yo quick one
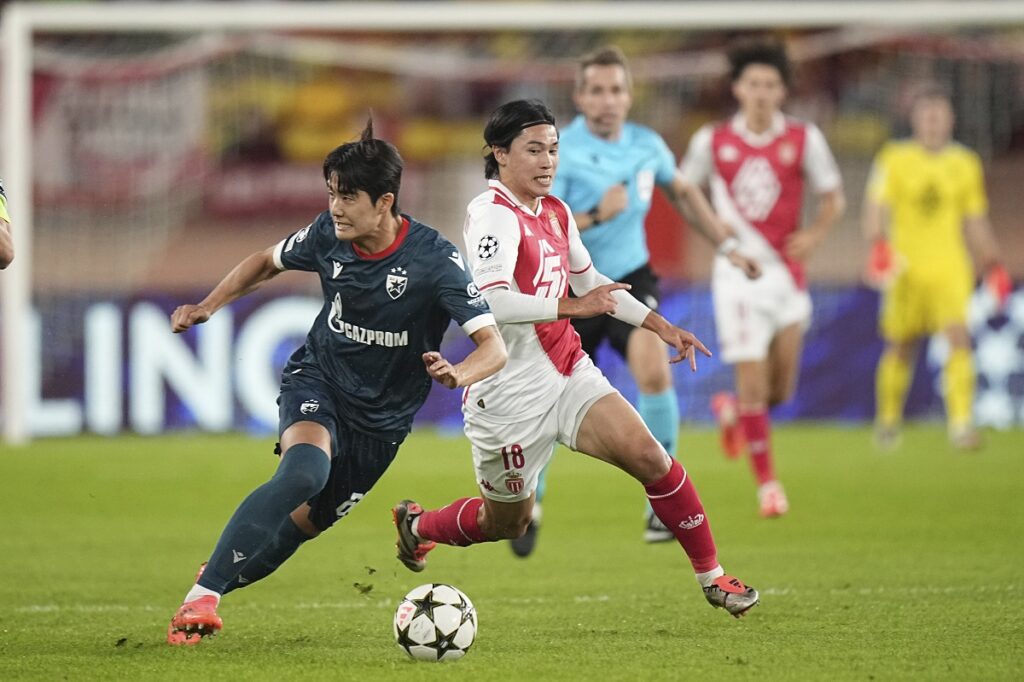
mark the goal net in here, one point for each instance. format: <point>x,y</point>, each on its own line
<point>160,158</point>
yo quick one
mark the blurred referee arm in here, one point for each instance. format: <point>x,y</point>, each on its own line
<point>690,202</point>
<point>246,277</point>
<point>486,359</point>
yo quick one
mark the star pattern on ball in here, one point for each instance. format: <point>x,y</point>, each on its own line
<point>425,606</point>
<point>445,642</point>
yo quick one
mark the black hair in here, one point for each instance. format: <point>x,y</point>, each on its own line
<point>505,124</point>
<point>769,54</point>
<point>371,165</point>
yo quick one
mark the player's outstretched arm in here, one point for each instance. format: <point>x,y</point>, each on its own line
<point>685,343</point>
<point>246,277</point>
<point>689,200</point>
<point>486,359</point>
<point>6,244</point>
<point>597,301</point>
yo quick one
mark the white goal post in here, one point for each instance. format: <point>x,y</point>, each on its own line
<point>21,21</point>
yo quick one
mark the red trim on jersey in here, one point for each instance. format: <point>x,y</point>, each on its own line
<point>580,272</point>
<point>399,238</point>
<point>491,285</point>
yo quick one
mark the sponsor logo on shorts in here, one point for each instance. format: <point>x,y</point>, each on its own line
<point>514,483</point>
<point>310,406</point>
<point>486,485</point>
<point>692,522</point>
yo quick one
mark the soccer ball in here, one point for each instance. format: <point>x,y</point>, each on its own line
<point>435,623</point>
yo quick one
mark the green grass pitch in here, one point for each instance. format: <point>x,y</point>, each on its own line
<point>901,566</point>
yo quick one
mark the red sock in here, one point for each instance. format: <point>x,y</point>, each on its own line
<point>756,429</point>
<point>455,524</point>
<point>675,501</point>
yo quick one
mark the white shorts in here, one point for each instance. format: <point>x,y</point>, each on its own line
<point>508,458</point>
<point>749,313</point>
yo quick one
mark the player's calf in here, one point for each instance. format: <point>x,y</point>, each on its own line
<point>723,406</point>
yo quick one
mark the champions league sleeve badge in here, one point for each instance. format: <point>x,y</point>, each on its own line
<point>487,247</point>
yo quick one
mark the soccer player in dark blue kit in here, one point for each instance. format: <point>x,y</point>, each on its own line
<point>391,286</point>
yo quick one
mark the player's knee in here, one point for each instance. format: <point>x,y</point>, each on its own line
<point>650,463</point>
<point>654,382</point>
<point>779,395</point>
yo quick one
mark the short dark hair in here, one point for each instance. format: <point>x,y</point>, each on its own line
<point>505,124</point>
<point>930,91</point>
<point>609,55</point>
<point>369,165</point>
<point>770,54</point>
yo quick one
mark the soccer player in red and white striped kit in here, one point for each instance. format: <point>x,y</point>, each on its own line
<point>524,251</point>
<point>756,164</point>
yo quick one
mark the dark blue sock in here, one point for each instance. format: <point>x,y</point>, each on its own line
<point>267,560</point>
<point>302,474</point>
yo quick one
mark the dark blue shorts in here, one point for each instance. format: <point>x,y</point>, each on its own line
<point>594,330</point>
<point>358,460</point>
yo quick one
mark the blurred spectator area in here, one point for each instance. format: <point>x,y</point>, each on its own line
<point>150,147</point>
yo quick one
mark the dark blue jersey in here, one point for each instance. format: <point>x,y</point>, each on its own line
<point>381,313</point>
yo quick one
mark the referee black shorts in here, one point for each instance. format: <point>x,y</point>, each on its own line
<point>594,330</point>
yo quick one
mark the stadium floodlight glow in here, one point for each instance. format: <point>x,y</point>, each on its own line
<point>21,21</point>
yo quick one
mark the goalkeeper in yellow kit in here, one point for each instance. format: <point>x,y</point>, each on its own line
<point>923,196</point>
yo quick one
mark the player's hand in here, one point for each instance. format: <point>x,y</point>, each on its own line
<point>597,301</point>
<point>800,244</point>
<point>883,265</point>
<point>685,344</point>
<point>750,267</point>
<point>188,315</point>
<point>440,370</point>
<point>614,202</point>
<point>999,284</point>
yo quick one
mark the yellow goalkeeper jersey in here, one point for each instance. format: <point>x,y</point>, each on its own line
<point>929,194</point>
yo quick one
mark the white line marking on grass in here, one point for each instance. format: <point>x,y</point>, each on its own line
<point>542,600</point>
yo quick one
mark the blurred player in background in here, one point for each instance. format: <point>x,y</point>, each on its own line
<point>922,195</point>
<point>6,243</point>
<point>348,395</point>
<point>525,251</point>
<point>607,173</point>
<point>756,164</point>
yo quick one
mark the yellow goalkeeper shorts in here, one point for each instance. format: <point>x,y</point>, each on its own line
<point>916,306</point>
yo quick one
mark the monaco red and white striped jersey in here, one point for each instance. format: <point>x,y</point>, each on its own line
<point>509,245</point>
<point>757,179</point>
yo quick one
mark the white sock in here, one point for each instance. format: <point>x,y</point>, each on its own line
<point>415,526</point>
<point>705,579</point>
<point>198,591</point>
